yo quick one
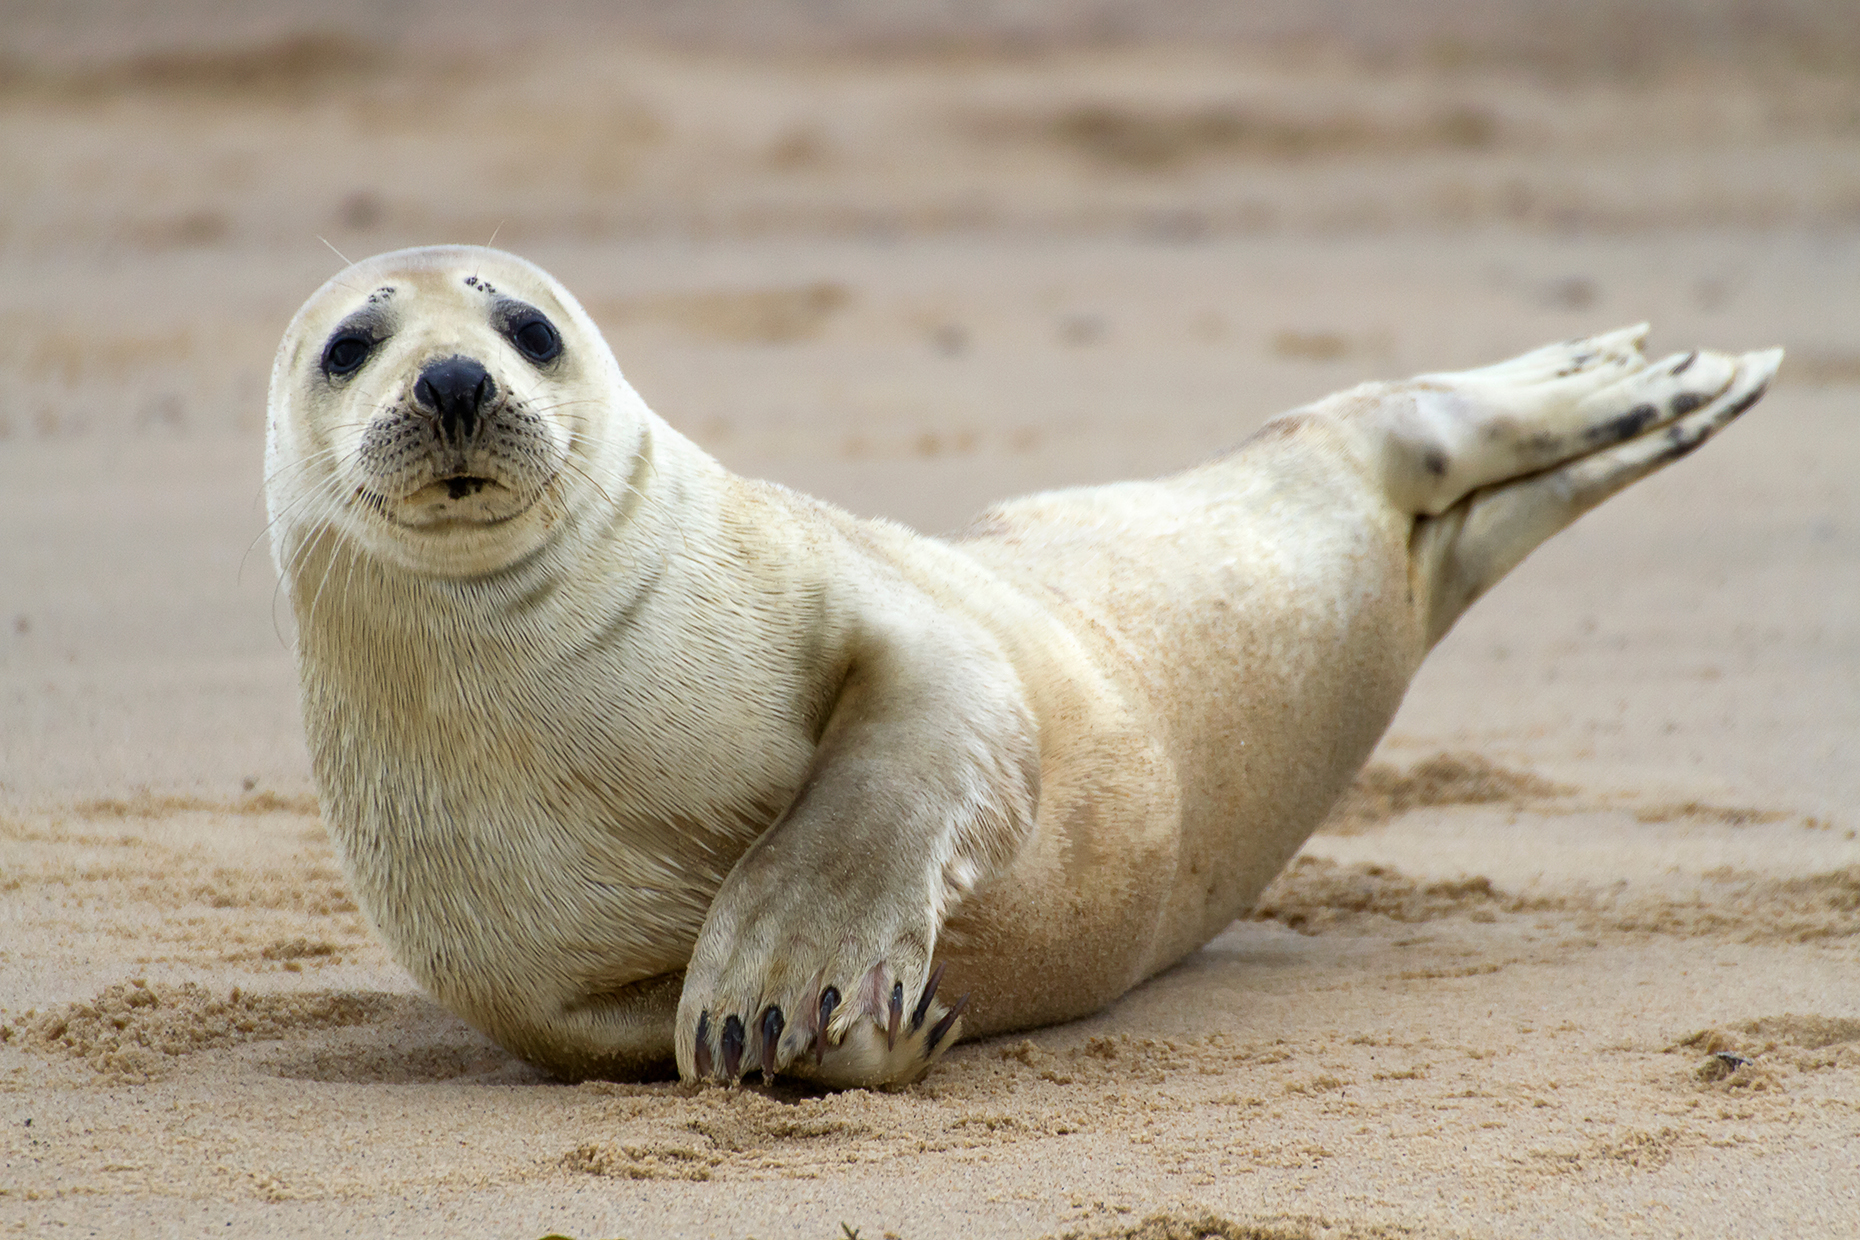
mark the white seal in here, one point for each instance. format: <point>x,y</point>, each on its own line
<point>631,760</point>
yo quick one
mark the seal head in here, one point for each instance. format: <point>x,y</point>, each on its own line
<point>441,440</point>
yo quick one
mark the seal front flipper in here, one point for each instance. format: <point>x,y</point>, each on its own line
<point>816,955</point>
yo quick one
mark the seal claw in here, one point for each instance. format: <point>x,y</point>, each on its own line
<point>829,999</point>
<point>732,1047</point>
<point>923,1004</point>
<point>700,1054</point>
<point>942,1027</point>
<point>897,1014</point>
<point>772,1024</point>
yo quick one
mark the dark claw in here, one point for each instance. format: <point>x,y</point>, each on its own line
<point>700,1058</point>
<point>772,1023</point>
<point>829,999</point>
<point>732,1047</point>
<point>923,1004</point>
<point>897,1014</point>
<point>942,1026</point>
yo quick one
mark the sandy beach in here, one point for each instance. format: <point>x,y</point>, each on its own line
<point>1579,956</point>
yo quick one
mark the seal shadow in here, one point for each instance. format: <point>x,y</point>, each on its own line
<point>409,1040</point>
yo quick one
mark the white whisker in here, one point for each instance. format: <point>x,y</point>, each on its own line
<point>346,260</point>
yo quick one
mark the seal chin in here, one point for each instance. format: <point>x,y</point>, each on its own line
<point>458,548</point>
<point>462,525</point>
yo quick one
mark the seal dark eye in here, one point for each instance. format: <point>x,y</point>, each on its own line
<point>345,353</point>
<point>536,338</point>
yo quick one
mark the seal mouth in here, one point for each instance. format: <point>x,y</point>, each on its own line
<point>456,487</point>
<point>455,501</point>
<point>460,486</point>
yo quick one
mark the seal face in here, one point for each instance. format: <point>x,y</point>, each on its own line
<point>636,763</point>
<point>447,403</point>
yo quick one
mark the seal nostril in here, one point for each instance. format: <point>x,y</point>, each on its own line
<point>457,389</point>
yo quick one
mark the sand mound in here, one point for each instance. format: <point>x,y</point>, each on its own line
<point>135,1031</point>
<point>1769,1055</point>
<point>1315,893</point>
<point>1808,1032</point>
<point>1384,791</point>
<point>641,1162</point>
<point>1748,907</point>
<point>1803,1043</point>
<point>692,1135</point>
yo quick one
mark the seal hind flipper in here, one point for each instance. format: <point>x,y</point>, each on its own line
<point>1492,461</point>
<point>1610,438</point>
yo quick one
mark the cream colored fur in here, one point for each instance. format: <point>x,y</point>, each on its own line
<point>620,749</point>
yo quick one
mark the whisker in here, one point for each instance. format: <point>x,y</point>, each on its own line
<point>288,570</point>
<point>346,260</point>
<point>568,463</point>
<point>316,599</point>
<point>305,462</point>
<point>576,437</point>
<point>312,538</point>
<point>279,516</point>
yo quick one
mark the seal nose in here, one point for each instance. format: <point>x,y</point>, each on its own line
<point>457,389</point>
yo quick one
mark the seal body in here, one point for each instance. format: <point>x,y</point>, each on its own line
<point>634,762</point>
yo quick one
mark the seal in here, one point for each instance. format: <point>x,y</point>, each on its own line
<point>634,762</point>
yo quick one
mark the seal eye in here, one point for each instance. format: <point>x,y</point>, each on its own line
<point>346,353</point>
<point>536,338</point>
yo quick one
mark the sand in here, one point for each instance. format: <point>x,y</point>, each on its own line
<point>1581,954</point>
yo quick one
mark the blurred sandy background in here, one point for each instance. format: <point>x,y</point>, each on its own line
<point>1581,957</point>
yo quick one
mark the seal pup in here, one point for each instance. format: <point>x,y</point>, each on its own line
<point>633,761</point>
